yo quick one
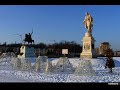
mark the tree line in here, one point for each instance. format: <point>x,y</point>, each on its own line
<point>51,50</point>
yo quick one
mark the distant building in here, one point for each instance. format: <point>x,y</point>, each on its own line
<point>97,50</point>
<point>41,51</point>
<point>103,47</point>
<point>116,53</point>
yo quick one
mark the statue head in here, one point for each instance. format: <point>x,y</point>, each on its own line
<point>25,34</point>
<point>87,13</point>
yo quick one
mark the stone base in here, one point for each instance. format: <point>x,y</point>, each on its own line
<point>88,50</point>
<point>26,51</point>
<point>87,55</point>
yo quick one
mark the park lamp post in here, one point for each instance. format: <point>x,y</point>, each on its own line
<point>20,37</point>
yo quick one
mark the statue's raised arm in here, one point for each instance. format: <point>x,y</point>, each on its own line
<point>88,22</point>
<point>31,33</point>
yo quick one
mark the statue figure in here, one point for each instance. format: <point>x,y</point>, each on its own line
<point>28,38</point>
<point>88,22</point>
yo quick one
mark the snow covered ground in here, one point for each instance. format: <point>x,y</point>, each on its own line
<point>7,74</point>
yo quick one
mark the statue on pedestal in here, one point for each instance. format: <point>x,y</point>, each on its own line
<point>88,50</point>
<point>88,22</point>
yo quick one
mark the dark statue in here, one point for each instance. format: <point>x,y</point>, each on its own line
<point>28,38</point>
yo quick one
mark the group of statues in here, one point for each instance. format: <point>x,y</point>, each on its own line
<point>88,22</point>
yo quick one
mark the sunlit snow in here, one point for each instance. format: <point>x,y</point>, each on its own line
<point>10,73</point>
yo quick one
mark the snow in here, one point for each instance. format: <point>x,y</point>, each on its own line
<point>8,74</point>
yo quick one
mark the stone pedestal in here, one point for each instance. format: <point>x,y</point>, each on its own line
<point>88,49</point>
<point>26,51</point>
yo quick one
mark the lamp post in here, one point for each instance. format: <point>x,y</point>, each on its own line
<point>20,37</point>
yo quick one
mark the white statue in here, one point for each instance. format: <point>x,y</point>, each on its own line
<point>88,22</point>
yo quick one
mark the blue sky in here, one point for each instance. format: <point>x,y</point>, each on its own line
<point>59,22</point>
